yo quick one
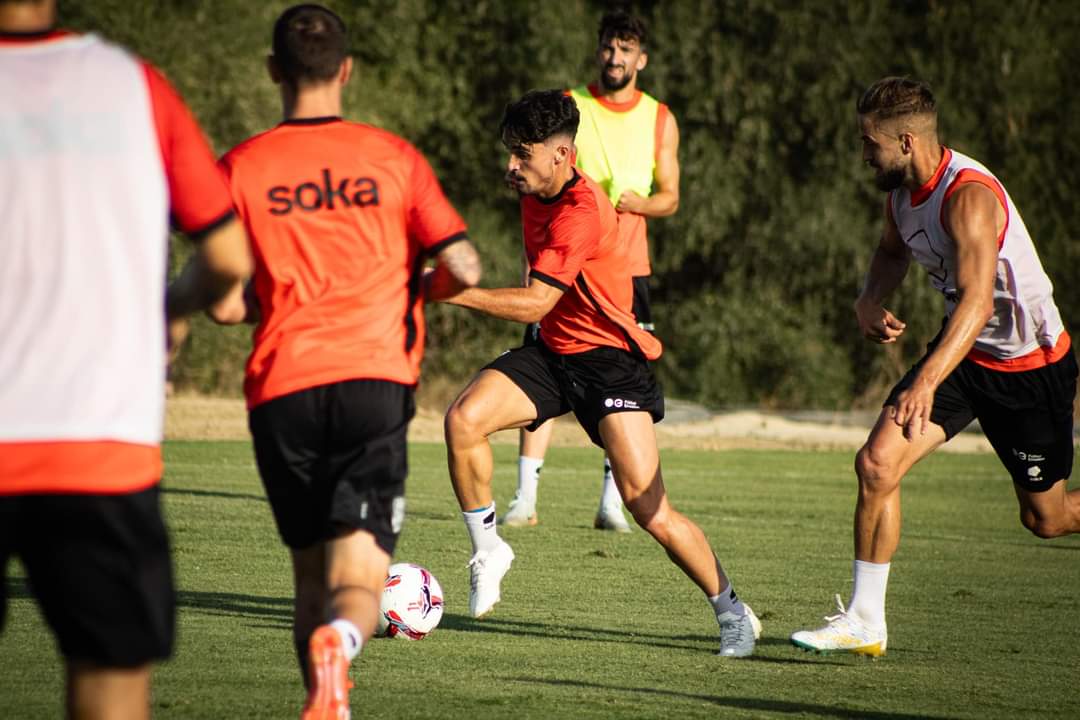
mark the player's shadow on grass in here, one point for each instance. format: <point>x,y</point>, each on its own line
<point>277,610</point>
<point>212,494</point>
<point>550,631</point>
<point>740,703</point>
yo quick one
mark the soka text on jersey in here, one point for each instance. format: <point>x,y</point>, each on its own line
<point>310,196</point>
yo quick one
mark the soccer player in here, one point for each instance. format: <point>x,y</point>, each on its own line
<point>342,217</point>
<point>97,150</point>
<point>592,358</point>
<point>628,143</point>
<point>1002,356</point>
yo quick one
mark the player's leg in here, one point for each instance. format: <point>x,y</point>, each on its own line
<point>532,447</point>
<point>609,514</point>
<point>1050,513</point>
<point>363,470</point>
<point>489,403</point>
<point>97,693</point>
<point>1028,418</point>
<point>515,390</point>
<point>630,442</point>
<point>879,466</point>
<point>111,626</point>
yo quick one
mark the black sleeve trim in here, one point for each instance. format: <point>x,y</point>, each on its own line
<point>201,233</point>
<point>443,244</point>
<point>548,280</point>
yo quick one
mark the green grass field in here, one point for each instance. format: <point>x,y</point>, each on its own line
<point>984,618</point>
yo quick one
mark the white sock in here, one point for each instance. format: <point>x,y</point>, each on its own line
<point>481,526</point>
<point>528,477</point>
<point>727,601</point>
<point>868,595</point>
<point>351,639</point>
<point>609,494</point>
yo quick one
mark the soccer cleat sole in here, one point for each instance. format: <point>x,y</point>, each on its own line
<point>875,650</point>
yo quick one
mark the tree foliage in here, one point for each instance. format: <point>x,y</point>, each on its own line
<point>756,274</point>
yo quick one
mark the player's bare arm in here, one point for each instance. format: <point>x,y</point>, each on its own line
<point>214,276</point>
<point>974,218</point>
<point>457,267</point>
<point>525,305</point>
<point>665,201</point>
<point>888,267</point>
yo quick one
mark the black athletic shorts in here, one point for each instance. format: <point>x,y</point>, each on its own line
<point>333,459</point>
<point>100,569</point>
<point>592,384</point>
<point>1027,416</point>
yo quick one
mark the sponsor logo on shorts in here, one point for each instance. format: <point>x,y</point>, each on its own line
<point>1027,457</point>
<point>1034,472</point>
<point>621,403</point>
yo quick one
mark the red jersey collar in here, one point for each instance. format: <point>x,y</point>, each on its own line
<point>627,106</point>
<point>920,195</point>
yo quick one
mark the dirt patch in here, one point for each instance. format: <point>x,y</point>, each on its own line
<point>688,427</point>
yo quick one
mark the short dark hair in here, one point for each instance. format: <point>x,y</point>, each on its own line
<point>621,25</point>
<point>309,43</point>
<point>893,97</point>
<point>537,116</point>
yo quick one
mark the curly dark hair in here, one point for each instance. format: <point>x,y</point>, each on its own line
<point>893,97</point>
<point>621,25</point>
<point>537,116</point>
<point>309,43</point>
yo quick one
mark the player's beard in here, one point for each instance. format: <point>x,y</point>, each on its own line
<point>615,85</point>
<point>889,180</point>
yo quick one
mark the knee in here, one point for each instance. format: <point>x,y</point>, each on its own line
<point>1042,527</point>
<point>877,472</point>
<point>650,517</point>
<point>461,424</point>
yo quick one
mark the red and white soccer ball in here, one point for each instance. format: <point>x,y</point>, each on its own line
<point>412,603</point>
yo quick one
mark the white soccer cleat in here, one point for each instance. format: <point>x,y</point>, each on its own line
<point>487,568</point>
<point>754,622</point>
<point>611,518</point>
<point>843,632</point>
<point>522,513</point>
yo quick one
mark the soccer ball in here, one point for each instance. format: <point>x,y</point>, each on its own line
<point>412,603</point>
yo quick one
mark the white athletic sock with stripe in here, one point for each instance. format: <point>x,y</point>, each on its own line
<point>609,494</point>
<point>528,477</point>
<point>868,596</point>
<point>481,526</point>
<point>351,640</point>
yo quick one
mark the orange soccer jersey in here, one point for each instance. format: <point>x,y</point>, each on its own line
<point>341,216</point>
<point>572,243</point>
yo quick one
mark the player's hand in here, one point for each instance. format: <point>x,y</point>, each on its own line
<point>878,324</point>
<point>912,411</point>
<point>630,202</point>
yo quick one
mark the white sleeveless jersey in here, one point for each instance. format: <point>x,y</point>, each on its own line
<point>1025,318</point>
<point>82,263</point>
<point>90,142</point>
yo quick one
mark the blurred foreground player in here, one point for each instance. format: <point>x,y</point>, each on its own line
<point>97,151</point>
